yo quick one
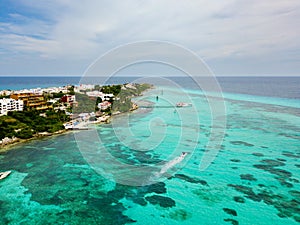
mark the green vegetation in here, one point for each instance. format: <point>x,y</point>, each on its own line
<point>71,90</point>
<point>58,95</point>
<point>85,104</point>
<point>4,96</point>
<point>97,87</point>
<point>123,102</point>
<point>142,87</point>
<point>27,123</point>
<point>122,95</point>
<point>111,89</point>
<point>99,100</point>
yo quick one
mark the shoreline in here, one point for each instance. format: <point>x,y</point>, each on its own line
<point>18,141</point>
<point>14,143</point>
<point>6,147</point>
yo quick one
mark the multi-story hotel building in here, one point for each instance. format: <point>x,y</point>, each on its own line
<point>31,100</point>
<point>9,104</point>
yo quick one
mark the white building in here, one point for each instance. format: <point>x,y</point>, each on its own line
<point>5,92</point>
<point>84,87</point>
<point>100,94</point>
<point>104,105</point>
<point>94,93</point>
<point>9,104</point>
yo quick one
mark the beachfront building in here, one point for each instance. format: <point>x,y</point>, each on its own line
<point>84,87</point>
<point>32,101</point>
<point>5,92</point>
<point>68,99</point>
<point>52,90</point>
<point>100,94</point>
<point>9,104</point>
<point>104,105</point>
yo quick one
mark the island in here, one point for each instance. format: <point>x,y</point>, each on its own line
<point>27,114</point>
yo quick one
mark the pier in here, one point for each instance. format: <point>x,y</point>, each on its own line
<point>156,106</point>
<point>165,106</point>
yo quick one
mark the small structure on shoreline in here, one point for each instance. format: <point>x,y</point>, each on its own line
<point>7,140</point>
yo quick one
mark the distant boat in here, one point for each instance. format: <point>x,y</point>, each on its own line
<point>173,162</point>
<point>184,153</point>
<point>183,104</point>
<point>4,174</point>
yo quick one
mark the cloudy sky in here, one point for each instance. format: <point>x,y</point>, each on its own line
<point>234,37</point>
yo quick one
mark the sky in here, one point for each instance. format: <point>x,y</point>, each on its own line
<point>233,37</point>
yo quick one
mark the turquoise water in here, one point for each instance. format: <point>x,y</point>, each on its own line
<point>253,180</point>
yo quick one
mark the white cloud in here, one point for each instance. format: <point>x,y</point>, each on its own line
<point>214,29</point>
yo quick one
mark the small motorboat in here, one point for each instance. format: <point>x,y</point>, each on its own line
<point>4,174</point>
<point>185,153</point>
<point>183,104</point>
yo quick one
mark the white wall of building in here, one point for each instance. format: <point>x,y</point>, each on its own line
<point>9,104</point>
<point>100,94</point>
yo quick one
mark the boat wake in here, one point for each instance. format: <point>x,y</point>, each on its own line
<point>172,163</point>
<point>169,165</point>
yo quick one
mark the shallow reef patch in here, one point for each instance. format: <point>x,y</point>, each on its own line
<point>232,221</point>
<point>235,160</point>
<point>257,154</point>
<point>190,179</point>
<point>239,199</point>
<point>162,201</point>
<point>291,154</point>
<point>230,211</point>
<point>248,177</point>
<point>286,206</point>
<point>241,143</point>
<point>180,215</point>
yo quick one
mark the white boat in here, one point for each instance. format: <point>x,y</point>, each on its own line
<point>183,154</point>
<point>4,174</point>
<point>183,104</point>
<point>173,162</point>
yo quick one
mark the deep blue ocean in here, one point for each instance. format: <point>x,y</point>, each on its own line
<point>282,87</point>
<point>132,170</point>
